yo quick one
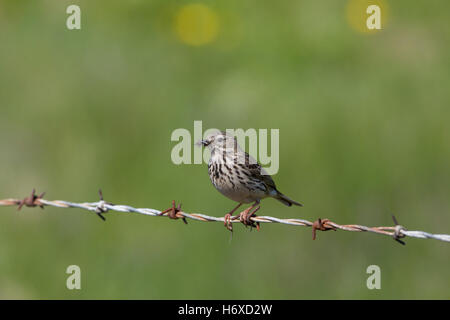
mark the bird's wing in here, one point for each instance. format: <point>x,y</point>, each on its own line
<point>258,172</point>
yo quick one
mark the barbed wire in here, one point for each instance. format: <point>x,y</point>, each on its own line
<point>101,207</point>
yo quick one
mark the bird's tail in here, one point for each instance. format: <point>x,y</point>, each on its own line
<point>287,201</point>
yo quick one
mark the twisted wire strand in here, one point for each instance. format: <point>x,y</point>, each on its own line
<point>99,207</point>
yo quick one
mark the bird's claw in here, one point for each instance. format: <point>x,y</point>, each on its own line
<point>227,222</point>
<point>173,211</point>
<point>245,217</point>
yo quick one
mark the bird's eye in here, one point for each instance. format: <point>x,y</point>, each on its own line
<point>219,139</point>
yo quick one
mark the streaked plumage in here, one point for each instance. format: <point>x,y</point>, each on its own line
<point>237,175</point>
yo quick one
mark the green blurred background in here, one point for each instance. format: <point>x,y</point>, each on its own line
<point>364,132</point>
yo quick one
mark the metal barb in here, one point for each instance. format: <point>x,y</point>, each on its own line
<point>174,212</point>
<point>321,225</point>
<point>100,208</point>
<point>32,200</point>
<point>398,231</point>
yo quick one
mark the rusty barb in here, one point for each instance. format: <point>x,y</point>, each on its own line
<point>174,212</point>
<point>396,232</point>
<point>31,201</point>
<point>321,225</point>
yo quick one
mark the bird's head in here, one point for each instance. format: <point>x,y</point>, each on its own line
<point>219,141</point>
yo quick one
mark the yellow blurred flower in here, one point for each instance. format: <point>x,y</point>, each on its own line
<point>196,24</point>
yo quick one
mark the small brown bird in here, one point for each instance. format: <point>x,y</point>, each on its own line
<point>238,176</point>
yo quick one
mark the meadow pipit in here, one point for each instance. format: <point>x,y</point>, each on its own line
<point>239,177</point>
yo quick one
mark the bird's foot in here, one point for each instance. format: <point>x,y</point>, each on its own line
<point>227,222</point>
<point>229,217</point>
<point>173,211</point>
<point>245,217</point>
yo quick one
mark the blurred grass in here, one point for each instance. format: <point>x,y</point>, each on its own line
<point>363,125</point>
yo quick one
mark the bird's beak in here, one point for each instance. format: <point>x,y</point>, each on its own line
<point>202,143</point>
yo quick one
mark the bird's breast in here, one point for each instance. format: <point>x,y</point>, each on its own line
<point>234,184</point>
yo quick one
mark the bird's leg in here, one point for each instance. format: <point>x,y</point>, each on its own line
<point>228,216</point>
<point>245,215</point>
